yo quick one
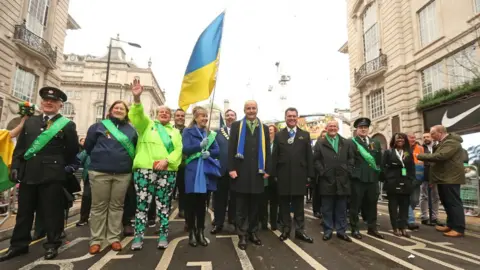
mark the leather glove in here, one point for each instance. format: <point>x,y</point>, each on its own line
<point>14,176</point>
<point>204,142</point>
<point>69,169</point>
<point>205,154</point>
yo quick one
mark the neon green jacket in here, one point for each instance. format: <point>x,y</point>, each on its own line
<point>150,147</point>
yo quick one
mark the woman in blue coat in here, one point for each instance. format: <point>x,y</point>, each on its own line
<point>201,173</point>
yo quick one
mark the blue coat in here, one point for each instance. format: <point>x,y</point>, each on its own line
<point>223,144</point>
<point>191,145</point>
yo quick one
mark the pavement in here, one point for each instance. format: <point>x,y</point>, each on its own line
<point>427,249</point>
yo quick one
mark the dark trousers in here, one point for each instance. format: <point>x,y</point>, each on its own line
<point>130,205</point>
<point>316,200</point>
<point>269,207</point>
<point>247,211</point>
<point>47,199</point>
<point>195,210</point>
<point>334,212</point>
<point>398,205</point>
<point>450,197</point>
<point>180,181</point>
<point>85,208</point>
<point>364,196</point>
<point>223,197</point>
<point>297,203</point>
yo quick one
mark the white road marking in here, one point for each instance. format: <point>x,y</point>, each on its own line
<point>242,255</point>
<point>66,264</point>
<point>445,245</point>
<point>168,253</point>
<point>112,255</point>
<point>203,265</point>
<point>174,215</point>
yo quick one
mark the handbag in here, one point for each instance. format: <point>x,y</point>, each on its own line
<point>212,167</point>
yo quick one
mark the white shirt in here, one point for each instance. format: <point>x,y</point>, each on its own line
<point>228,130</point>
<point>290,129</point>
<point>49,116</point>
<point>366,140</point>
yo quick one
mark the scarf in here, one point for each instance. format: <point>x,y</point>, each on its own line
<point>241,144</point>
<point>333,142</point>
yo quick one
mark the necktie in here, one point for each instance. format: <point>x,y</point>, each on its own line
<point>251,126</point>
<point>46,118</point>
<point>291,133</point>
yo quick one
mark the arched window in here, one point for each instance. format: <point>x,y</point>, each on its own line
<point>68,110</point>
<point>98,114</point>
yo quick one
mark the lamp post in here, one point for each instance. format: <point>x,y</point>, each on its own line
<point>108,69</point>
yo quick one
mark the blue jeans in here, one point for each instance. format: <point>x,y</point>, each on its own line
<point>334,212</point>
<point>411,215</point>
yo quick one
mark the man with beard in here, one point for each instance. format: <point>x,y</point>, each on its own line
<point>46,146</point>
<point>334,161</point>
<point>365,177</point>
<point>224,196</point>
<point>292,165</point>
<point>248,161</point>
<point>429,199</point>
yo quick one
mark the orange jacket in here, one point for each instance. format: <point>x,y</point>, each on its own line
<point>417,149</point>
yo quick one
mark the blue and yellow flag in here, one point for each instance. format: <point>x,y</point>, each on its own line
<point>200,76</point>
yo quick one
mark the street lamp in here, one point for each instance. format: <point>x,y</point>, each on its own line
<point>108,69</point>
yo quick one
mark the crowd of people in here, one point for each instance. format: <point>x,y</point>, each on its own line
<point>258,174</point>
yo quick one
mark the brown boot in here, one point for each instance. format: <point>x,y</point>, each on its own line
<point>442,229</point>
<point>94,249</point>
<point>453,233</point>
<point>116,246</point>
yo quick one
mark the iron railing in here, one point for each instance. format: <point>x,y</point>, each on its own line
<point>34,42</point>
<point>371,67</point>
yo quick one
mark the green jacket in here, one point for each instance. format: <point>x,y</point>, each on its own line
<point>362,171</point>
<point>446,161</point>
<point>150,147</point>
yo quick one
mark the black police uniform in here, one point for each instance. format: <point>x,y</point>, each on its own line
<point>42,178</point>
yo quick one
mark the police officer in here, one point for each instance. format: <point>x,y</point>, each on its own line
<point>365,177</point>
<point>41,160</point>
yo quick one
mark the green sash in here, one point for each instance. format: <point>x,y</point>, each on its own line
<point>162,132</point>
<point>211,139</point>
<point>120,137</point>
<point>366,156</point>
<point>45,137</point>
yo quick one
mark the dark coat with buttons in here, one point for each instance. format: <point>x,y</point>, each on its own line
<point>334,169</point>
<point>48,165</point>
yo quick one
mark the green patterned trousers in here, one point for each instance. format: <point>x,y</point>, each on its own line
<point>150,183</point>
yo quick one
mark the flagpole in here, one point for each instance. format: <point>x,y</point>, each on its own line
<point>216,75</point>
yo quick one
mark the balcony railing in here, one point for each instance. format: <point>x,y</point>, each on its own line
<point>370,67</point>
<point>35,45</point>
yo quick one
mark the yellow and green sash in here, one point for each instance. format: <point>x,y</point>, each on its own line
<point>162,132</point>
<point>120,137</point>
<point>45,137</point>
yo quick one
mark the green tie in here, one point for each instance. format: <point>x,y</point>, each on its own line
<point>251,126</point>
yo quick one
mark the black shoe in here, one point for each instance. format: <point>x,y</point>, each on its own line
<point>12,253</point>
<point>356,234</point>
<point>242,242</point>
<point>254,239</point>
<point>344,237</point>
<point>413,227</point>
<point>81,223</point>
<point>376,234</point>
<point>304,237</point>
<point>51,254</point>
<point>216,229</point>
<point>284,236</point>
<point>327,236</point>
<point>181,214</point>
<point>192,238</point>
<point>201,238</point>
<point>273,227</point>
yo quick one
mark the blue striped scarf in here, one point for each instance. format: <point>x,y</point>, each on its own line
<point>242,131</point>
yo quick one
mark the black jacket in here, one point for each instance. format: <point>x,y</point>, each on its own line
<point>48,164</point>
<point>395,182</point>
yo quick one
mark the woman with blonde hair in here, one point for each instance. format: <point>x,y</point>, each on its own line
<point>159,153</point>
<point>201,173</point>
<point>111,146</point>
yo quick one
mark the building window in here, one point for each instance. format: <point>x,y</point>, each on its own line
<point>370,34</point>
<point>476,4</point>
<point>37,16</point>
<point>68,110</point>
<point>24,84</point>
<point>98,114</point>
<point>100,95</point>
<point>428,24</point>
<point>376,104</point>
<point>432,79</point>
<point>78,95</point>
<point>462,67</point>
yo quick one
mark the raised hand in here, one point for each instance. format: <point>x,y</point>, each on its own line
<point>136,88</point>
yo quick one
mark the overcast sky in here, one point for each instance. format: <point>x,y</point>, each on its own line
<point>304,36</point>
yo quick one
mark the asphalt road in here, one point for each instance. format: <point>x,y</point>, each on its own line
<point>427,249</point>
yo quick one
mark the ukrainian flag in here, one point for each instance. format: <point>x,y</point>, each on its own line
<point>6,153</point>
<point>200,76</point>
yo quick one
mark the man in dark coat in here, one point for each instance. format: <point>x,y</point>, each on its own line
<point>224,196</point>
<point>292,165</point>
<point>47,145</point>
<point>334,160</point>
<point>365,178</point>
<point>248,166</point>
